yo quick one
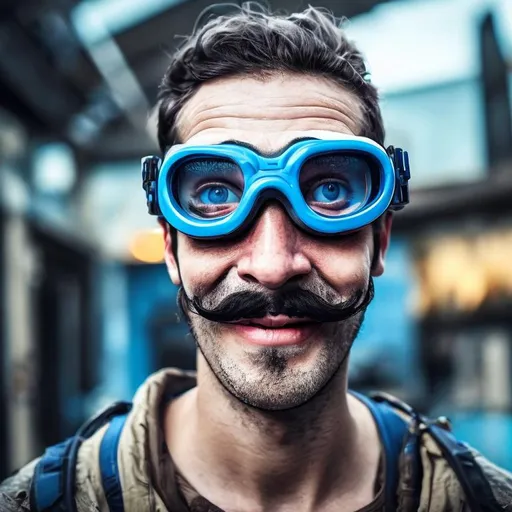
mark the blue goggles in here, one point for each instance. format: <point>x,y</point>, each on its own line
<point>328,187</point>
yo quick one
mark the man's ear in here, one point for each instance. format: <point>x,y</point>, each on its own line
<point>169,254</point>
<point>381,239</point>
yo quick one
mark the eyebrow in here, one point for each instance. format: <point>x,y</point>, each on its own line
<point>268,154</point>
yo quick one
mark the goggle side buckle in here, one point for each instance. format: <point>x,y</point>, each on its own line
<point>150,167</point>
<point>400,159</point>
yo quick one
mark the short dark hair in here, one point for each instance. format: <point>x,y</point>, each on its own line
<point>250,40</point>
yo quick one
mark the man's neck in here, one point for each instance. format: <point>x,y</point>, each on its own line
<point>318,455</point>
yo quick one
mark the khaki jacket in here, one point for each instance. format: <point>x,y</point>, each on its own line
<point>148,477</point>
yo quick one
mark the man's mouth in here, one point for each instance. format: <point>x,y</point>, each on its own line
<point>275,330</point>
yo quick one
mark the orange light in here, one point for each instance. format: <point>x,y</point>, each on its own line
<point>148,246</point>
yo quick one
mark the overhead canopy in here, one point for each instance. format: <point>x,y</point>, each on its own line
<point>88,71</point>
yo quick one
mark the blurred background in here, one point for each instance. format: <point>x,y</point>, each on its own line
<point>87,310</point>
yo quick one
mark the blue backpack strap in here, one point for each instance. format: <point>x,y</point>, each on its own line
<point>47,488</point>
<point>393,431</point>
<point>53,484</point>
<point>109,466</point>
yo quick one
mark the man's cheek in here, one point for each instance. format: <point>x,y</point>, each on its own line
<point>342,272</point>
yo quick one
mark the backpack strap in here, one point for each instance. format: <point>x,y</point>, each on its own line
<point>109,466</point>
<point>53,485</point>
<point>48,482</point>
<point>393,431</point>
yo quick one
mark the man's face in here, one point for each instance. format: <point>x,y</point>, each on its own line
<point>286,361</point>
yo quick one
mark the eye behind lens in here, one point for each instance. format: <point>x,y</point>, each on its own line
<point>338,183</point>
<point>208,187</point>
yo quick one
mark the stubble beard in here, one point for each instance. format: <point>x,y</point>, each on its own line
<point>269,378</point>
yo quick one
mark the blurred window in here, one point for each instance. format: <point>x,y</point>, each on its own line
<point>97,17</point>
<point>424,58</point>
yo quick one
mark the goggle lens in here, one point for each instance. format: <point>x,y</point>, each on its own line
<point>208,187</point>
<point>336,184</point>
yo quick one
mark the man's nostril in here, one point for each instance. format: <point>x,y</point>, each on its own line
<point>249,278</point>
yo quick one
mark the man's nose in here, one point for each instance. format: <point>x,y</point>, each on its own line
<point>272,253</point>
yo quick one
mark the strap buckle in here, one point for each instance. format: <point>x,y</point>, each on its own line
<point>150,167</point>
<point>400,159</point>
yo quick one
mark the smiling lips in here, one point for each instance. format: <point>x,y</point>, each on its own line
<point>275,330</point>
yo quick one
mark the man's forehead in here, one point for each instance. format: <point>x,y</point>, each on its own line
<point>268,113</point>
<point>265,147</point>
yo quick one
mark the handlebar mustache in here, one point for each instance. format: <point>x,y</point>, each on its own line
<point>294,303</point>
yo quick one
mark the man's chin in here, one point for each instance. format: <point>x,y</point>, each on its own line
<point>274,401</point>
<point>278,385</point>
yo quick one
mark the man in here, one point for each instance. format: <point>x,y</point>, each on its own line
<point>275,196</point>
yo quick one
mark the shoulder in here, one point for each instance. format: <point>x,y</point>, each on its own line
<point>455,474</point>
<point>451,475</point>
<point>442,486</point>
<point>15,490</point>
<point>137,443</point>
<point>500,480</point>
